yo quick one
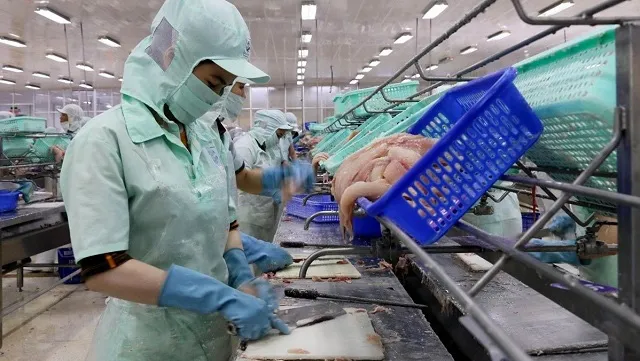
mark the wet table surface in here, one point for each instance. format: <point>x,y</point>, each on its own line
<point>401,342</point>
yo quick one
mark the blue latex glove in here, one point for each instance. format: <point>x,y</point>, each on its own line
<point>196,292</point>
<point>238,266</point>
<point>277,197</point>
<point>562,224</point>
<point>264,291</point>
<point>554,257</point>
<point>303,175</point>
<point>272,179</point>
<point>268,257</point>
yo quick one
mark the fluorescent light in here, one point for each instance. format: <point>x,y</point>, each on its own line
<point>302,63</point>
<point>308,10</point>
<point>445,60</point>
<point>109,41</point>
<point>56,57</point>
<point>106,74</point>
<point>403,38</point>
<point>374,62</point>
<point>415,76</point>
<point>468,50</point>
<point>385,51</point>
<point>65,80</point>
<point>556,8</point>
<point>12,68</point>
<point>406,81</point>
<point>7,81</point>
<point>86,85</point>
<point>359,76</point>
<point>434,9</point>
<point>432,67</point>
<point>13,42</point>
<point>32,86</point>
<point>353,82</point>
<point>499,35</point>
<point>306,37</point>
<point>52,15</point>
<point>301,70</point>
<point>300,77</point>
<point>303,52</point>
<point>108,106</point>
<point>300,82</point>
<point>84,66</point>
<point>120,80</point>
<point>366,69</point>
<point>38,74</point>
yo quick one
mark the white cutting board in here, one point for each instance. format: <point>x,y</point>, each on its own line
<point>349,336</point>
<point>323,268</point>
<point>474,262</point>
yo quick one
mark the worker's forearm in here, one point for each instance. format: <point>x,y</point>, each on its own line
<point>234,240</point>
<point>292,153</point>
<point>133,281</point>
<point>250,180</point>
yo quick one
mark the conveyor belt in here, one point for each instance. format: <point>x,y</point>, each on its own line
<point>533,321</point>
<point>406,334</point>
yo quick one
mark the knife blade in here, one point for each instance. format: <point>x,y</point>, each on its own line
<point>310,315</point>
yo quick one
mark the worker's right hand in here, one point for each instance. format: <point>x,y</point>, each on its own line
<point>190,290</point>
<point>561,224</point>
<point>267,256</point>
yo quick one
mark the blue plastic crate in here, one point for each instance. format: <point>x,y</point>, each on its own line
<point>485,126</point>
<point>8,200</point>
<point>65,256</point>
<point>528,219</point>
<point>366,227</point>
<point>314,205</point>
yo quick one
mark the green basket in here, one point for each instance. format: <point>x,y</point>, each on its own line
<point>572,88</point>
<point>23,124</point>
<point>42,147</point>
<point>399,91</point>
<point>329,142</point>
<point>17,147</point>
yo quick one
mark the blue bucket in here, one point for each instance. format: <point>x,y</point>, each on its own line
<point>65,256</point>
<point>8,200</point>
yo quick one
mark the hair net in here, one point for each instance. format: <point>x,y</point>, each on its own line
<point>266,122</point>
<point>6,115</point>
<point>73,112</point>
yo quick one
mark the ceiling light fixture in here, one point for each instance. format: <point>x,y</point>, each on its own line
<point>302,63</point>
<point>406,81</point>
<point>300,82</point>
<point>434,9</point>
<point>301,70</point>
<point>52,15</point>
<point>385,51</point>
<point>353,82</point>
<point>403,38</point>
<point>85,85</point>
<point>556,7</point>
<point>300,77</point>
<point>109,41</point>
<point>359,76</point>
<point>12,68</point>
<point>120,80</point>
<point>65,80</point>
<point>303,52</point>
<point>7,81</point>
<point>468,50</point>
<point>56,57</point>
<point>84,66</point>
<point>106,74</point>
<point>308,10</point>
<point>445,60</point>
<point>366,69</point>
<point>38,74</point>
<point>32,86</point>
<point>432,67</point>
<point>306,37</point>
<point>374,62</point>
<point>13,42</point>
<point>415,76</point>
<point>499,35</point>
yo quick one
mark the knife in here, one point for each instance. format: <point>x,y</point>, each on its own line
<point>310,315</point>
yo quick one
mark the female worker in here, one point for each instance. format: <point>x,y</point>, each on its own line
<point>258,214</point>
<point>147,198</point>
<point>71,118</point>
<point>286,142</point>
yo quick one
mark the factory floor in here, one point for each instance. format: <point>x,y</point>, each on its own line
<point>57,326</point>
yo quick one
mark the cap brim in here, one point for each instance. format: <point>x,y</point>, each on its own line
<point>243,69</point>
<point>60,111</point>
<point>287,127</point>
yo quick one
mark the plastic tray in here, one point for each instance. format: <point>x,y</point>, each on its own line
<point>314,205</point>
<point>485,125</point>
<point>17,146</point>
<point>329,140</point>
<point>346,101</point>
<point>528,219</point>
<point>572,89</point>
<point>23,124</point>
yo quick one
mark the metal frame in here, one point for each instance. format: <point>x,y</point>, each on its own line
<point>619,318</point>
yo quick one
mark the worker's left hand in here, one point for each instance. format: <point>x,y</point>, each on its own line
<point>238,267</point>
<point>302,175</point>
<point>261,288</point>
<point>268,257</point>
<point>562,224</point>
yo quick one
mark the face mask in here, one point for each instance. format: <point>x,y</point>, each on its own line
<point>65,126</point>
<point>192,100</point>
<point>233,105</point>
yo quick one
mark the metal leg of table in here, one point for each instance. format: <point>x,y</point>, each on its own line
<point>628,93</point>
<point>20,276</point>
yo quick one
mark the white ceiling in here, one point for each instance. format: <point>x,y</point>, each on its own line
<point>349,33</point>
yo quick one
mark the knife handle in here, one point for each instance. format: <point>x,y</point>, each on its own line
<point>298,293</point>
<point>292,244</point>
